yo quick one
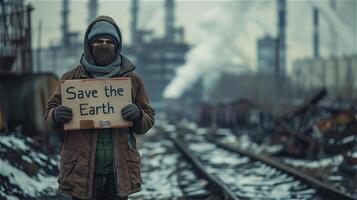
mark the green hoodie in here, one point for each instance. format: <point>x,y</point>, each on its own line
<point>104,153</point>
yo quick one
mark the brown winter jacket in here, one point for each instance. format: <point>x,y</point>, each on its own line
<point>78,149</point>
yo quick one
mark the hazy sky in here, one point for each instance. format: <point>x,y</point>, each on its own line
<point>239,23</point>
<point>151,16</point>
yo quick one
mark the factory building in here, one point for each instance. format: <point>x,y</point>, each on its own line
<point>157,58</point>
<point>266,54</point>
<point>337,74</point>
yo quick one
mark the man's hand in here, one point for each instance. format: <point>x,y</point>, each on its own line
<point>62,114</point>
<point>131,112</point>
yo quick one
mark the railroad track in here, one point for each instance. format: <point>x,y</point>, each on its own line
<point>237,174</point>
<point>167,174</point>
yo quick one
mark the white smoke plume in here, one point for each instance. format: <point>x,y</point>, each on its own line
<point>227,36</point>
<point>225,43</point>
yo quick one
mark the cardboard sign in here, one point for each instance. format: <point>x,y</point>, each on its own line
<point>96,103</point>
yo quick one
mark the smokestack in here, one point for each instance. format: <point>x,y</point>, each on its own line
<point>169,20</point>
<point>316,33</point>
<point>92,10</point>
<point>333,33</point>
<point>134,22</point>
<point>64,27</point>
<point>281,65</point>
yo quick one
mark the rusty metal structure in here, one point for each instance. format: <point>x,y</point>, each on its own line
<point>24,94</point>
<point>15,36</point>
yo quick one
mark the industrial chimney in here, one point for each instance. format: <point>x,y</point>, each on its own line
<point>65,26</point>
<point>316,33</point>
<point>281,53</point>
<point>134,22</point>
<point>333,33</point>
<point>92,10</point>
<point>169,20</point>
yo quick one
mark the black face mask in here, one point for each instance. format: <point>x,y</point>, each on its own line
<point>103,54</point>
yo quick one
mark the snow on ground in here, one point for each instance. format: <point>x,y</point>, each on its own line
<point>25,171</point>
<point>29,185</point>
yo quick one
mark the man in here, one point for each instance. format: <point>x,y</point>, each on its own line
<point>101,163</point>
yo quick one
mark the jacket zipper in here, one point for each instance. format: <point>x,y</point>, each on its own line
<point>116,172</point>
<point>115,163</point>
<point>91,173</point>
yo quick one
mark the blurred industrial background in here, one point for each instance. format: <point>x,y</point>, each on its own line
<point>274,77</point>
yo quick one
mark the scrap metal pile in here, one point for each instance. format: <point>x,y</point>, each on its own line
<point>314,131</point>
<point>318,136</point>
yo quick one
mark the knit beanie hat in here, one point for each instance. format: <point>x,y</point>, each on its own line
<point>103,29</point>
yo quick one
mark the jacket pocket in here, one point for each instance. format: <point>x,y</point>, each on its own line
<point>67,164</point>
<point>134,168</point>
